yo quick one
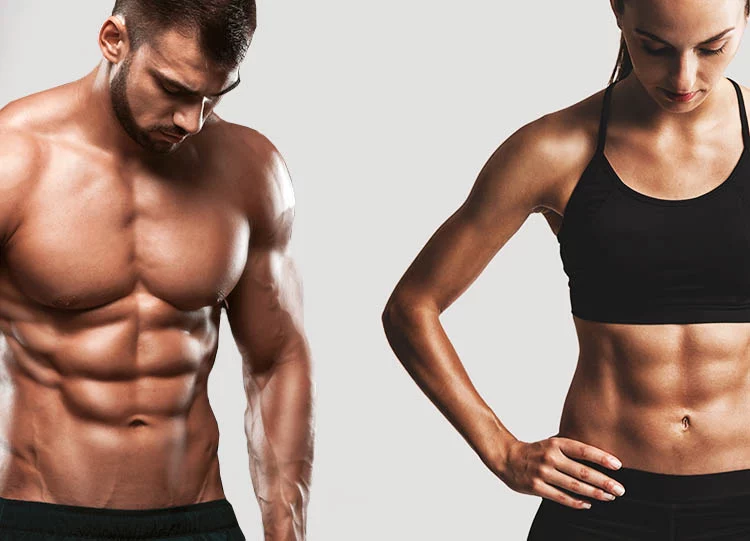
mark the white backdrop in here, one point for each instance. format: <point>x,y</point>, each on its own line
<point>385,112</point>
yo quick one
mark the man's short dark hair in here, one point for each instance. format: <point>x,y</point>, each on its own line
<point>225,27</point>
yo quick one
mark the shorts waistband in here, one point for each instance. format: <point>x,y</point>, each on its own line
<point>673,488</point>
<point>71,520</point>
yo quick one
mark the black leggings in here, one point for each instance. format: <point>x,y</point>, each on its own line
<point>37,521</point>
<point>655,507</point>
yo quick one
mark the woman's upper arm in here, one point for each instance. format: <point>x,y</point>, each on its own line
<point>523,175</point>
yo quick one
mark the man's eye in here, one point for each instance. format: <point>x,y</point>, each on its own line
<point>170,91</point>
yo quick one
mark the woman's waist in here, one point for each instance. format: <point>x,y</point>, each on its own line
<point>669,488</point>
<point>676,435</point>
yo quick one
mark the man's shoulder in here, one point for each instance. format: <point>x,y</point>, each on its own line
<point>247,147</point>
<point>29,128</point>
<point>25,127</point>
<point>42,113</point>
<point>260,173</point>
<point>22,161</point>
<point>22,154</point>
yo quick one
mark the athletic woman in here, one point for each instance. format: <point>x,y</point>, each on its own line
<point>646,185</point>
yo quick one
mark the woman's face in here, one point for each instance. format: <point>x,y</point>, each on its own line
<point>680,48</point>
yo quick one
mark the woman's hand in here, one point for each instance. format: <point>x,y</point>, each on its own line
<point>544,467</point>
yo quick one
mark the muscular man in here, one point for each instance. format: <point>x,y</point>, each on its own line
<point>130,215</point>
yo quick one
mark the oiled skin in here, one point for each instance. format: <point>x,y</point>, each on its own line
<point>114,272</point>
<point>666,398</point>
<point>663,398</point>
<point>670,400</point>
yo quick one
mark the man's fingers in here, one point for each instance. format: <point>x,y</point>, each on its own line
<point>581,451</point>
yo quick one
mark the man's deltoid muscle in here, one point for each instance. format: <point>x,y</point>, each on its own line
<point>130,214</point>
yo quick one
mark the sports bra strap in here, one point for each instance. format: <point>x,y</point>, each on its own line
<point>743,114</point>
<point>608,99</point>
<point>604,118</point>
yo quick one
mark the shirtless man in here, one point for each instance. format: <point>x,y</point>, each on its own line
<point>130,215</point>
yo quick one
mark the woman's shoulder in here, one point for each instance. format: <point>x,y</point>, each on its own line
<point>744,88</point>
<point>745,93</point>
<point>559,145</point>
<point>538,164</point>
<point>567,132</point>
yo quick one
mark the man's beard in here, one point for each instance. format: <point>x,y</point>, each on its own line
<point>124,114</point>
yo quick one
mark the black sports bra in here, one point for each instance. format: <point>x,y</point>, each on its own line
<point>633,258</point>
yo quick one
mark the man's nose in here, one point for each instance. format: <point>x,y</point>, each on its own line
<point>191,116</point>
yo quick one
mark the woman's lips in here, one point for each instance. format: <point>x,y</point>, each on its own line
<point>682,97</point>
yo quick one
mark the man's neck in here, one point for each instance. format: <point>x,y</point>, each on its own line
<point>98,119</point>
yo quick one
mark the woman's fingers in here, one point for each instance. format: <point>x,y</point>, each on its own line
<point>582,451</point>
<point>548,491</point>
<point>591,477</point>
<point>584,486</point>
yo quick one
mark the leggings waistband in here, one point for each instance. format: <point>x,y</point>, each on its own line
<point>672,488</point>
<point>73,520</point>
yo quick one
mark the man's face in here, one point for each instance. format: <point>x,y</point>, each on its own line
<point>165,90</point>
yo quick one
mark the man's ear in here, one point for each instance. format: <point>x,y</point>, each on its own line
<point>113,39</point>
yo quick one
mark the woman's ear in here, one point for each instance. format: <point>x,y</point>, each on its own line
<point>617,6</point>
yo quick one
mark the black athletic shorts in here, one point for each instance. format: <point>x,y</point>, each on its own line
<point>36,521</point>
<point>655,507</point>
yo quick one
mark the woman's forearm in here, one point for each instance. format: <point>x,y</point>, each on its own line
<point>419,341</point>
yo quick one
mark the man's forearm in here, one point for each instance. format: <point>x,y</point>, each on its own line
<point>279,428</point>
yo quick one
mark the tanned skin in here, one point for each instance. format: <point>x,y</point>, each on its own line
<point>665,398</point>
<point>117,258</point>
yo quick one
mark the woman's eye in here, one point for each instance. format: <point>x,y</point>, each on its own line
<point>713,51</point>
<point>656,52</point>
<point>663,51</point>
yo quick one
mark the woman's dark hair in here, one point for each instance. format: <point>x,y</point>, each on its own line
<point>624,65</point>
<point>224,27</point>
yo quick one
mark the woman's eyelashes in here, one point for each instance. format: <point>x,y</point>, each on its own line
<point>666,51</point>
<point>714,51</point>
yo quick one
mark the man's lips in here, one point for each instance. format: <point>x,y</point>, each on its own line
<point>172,137</point>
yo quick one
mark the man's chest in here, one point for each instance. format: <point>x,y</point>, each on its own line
<point>87,237</point>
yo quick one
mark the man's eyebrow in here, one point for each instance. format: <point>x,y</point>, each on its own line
<point>229,88</point>
<point>189,91</point>
<point>665,42</point>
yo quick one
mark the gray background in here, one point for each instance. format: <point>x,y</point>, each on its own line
<point>385,112</point>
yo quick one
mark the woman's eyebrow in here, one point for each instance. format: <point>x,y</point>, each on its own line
<point>665,42</point>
